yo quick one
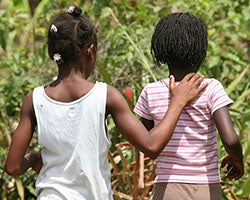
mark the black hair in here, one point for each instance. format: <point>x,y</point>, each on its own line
<point>69,33</point>
<point>180,41</point>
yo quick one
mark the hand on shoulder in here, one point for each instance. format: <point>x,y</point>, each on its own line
<point>189,88</point>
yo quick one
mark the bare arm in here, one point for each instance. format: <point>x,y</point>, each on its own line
<point>151,143</point>
<point>17,162</point>
<point>231,142</point>
<point>227,133</point>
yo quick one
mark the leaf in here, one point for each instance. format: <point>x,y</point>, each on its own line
<point>245,189</point>
<point>20,188</point>
<point>235,58</point>
<point>237,79</point>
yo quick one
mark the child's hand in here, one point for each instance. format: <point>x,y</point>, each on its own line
<point>189,88</point>
<point>35,161</point>
<point>233,169</point>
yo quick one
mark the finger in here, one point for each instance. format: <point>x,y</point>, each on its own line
<point>230,175</point>
<point>196,78</point>
<point>223,164</point>
<point>172,81</point>
<point>238,173</point>
<point>230,169</point>
<point>233,173</point>
<point>196,82</point>
<point>238,176</point>
<point>188,77</point>
<point>202,87</point>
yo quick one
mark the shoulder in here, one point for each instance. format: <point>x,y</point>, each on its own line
<point>212,82</point>
<point>113,93</point>
<point>101,84</point>
<point>213,85</point>
<point>101,88</point>
<point>160,85</point>
<point>27,108</point>
<point>37,90</point>
<point>115,99</point>
<point>28,98</point>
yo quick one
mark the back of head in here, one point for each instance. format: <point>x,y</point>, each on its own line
<point>69,33</point>
<point>180,41</point>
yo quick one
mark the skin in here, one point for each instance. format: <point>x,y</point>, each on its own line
<point>72,84</point>
<point>233,162</point>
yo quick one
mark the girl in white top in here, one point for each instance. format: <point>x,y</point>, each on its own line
<point>70,116</point>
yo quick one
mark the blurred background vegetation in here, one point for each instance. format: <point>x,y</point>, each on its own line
<point>124,61</point>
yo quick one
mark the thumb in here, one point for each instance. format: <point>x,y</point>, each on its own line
<point>171,82</point>
<point>225,161</point>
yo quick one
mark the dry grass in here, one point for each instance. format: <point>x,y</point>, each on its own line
<point>132,173</point>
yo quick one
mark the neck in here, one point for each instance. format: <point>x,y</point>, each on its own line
<point>78,68</point>
<point>178,77</point>
<point>179,74</point>
<point>69,76</point>
<point>65,72</point>
<point>72,69</point>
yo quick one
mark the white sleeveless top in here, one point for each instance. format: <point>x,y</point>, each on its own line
<point>74,146</point>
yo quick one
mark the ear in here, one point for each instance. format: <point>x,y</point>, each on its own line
<point>91,52</point>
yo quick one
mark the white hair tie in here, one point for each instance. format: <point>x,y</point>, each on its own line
<point>57,57</point>
<point>71,9</point>
<point>53,28</point>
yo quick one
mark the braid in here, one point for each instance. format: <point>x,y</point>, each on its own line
<point>69,33</point>
<point>180,40</point>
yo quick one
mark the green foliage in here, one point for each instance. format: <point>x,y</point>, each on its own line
<point>124,59</point>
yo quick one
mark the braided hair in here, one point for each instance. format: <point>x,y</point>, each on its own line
<point>69,33</point>
<point>180,41</point>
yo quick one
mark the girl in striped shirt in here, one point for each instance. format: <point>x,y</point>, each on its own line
<point>187,168</point>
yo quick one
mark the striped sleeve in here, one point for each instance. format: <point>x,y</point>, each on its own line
<point>142,108</point>
<point>217,96</point>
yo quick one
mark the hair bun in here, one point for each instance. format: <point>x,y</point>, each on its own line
<point>75,10</point>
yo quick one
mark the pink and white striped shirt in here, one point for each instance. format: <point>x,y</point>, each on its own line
<point>191,156</point>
